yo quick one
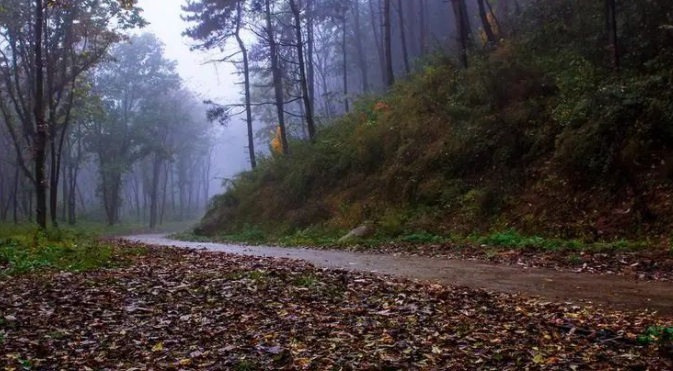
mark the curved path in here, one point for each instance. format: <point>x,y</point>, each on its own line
<point>612,291</point>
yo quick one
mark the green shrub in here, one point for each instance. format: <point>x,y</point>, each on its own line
<point>656,335</point>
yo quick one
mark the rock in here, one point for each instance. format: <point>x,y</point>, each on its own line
<point>362,231</point>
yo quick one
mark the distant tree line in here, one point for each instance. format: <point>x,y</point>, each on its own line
<point>90,117</point>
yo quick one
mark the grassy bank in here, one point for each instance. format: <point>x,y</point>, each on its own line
<point>25,248</point>
<point>504,240</point>
<point>539,135</point>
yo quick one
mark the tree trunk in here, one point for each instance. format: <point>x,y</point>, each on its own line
<point>154,191</point>
<point>309,57</point>
<point>362,61</point>
<point>459,14</point>
<point>15,198</point>
<point>377,42</point>
<point>344,52</point>
<point>246,82</point>
<point>41,134</point>
<point>277,78</point>
<point>403,36</point>
<point>488,30</point>
<point>302,70</point>
<point>611,21</point>
<point>390,74</point>
<point>423,27</point>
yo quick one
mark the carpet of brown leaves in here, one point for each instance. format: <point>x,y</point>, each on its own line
<point>187,310</point>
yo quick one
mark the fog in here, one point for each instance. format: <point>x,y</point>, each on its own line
<point>211,81</point>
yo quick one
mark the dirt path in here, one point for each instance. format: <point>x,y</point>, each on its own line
<point>611,291</point>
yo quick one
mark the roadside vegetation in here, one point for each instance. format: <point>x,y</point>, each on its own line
<point>540,136</point>
<point>26,248</point>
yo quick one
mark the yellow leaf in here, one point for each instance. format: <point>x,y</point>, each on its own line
<point>158,348</point>
<point>185,362</point>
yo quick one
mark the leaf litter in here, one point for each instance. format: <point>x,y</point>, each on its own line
<point>189,310</point>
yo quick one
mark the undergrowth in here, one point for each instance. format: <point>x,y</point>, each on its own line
<point>26,248</point>
<point>540,134</point>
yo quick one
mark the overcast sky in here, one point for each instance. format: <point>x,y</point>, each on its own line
<point>215,82</point>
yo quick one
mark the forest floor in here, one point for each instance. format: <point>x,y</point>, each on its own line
<point>182,309</point>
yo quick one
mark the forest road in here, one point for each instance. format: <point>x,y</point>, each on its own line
<point>609,291</point>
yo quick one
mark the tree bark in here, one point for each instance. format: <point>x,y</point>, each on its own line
<point>344,52</point>
<point>15,196</point>
<point>377,41</point>
<point>488,30</point>
<point>403,37</point>
<point>362,61</point>
<point>310,54</point>
<point>154,192</point>
<point>611,21</point>
<point>41,134</point>
<point>461,27</point>
<point>390,74</point>
<point>277,78</point>
<point>302,70</point>
<point>423,27</point>
<point>248,95</point>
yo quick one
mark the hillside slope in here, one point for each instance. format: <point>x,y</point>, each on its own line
<point>540,134</point>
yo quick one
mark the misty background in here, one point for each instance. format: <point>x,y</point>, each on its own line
<point>210,80</point>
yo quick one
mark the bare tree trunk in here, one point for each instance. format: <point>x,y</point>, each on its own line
<point>390,74</point>
<point>311,45</point>
<point>42,131</point>
<point>377,41</point>
<point>423,27</point>
<point>163,195</point>
<point>344,52</point>
<point>362,62</point>
<point>490,35</point>
<point>302,70</point>
<point>611,21</point>
<point>277,78</point>
<point>412,29</point>
<point>154,191</point>
<point>15,198</point>
<point>459,13</point>
<point>403,36</point>
<point>246,78</point>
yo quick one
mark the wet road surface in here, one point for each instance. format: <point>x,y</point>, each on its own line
<point>611,291</point>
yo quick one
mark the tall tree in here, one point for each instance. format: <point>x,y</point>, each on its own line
<point>611,23</point>
<point>277,75</point>
<point>390,74</point>
<point>212,26</point>
<point>462,28</point>
<point>403,37</point>
<point>359,44</point>
<point>302,69</point>
<point>486,23</point>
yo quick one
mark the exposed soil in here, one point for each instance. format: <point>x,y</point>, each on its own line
<point>611,291</point>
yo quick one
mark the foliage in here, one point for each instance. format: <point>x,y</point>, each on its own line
<point>656,335</point>
<point>539,133</point>
<point>27,248</point>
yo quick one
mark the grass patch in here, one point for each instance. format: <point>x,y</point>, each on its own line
<point>26,248</point>
<point>307,281</point>
<point>513,239</point>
